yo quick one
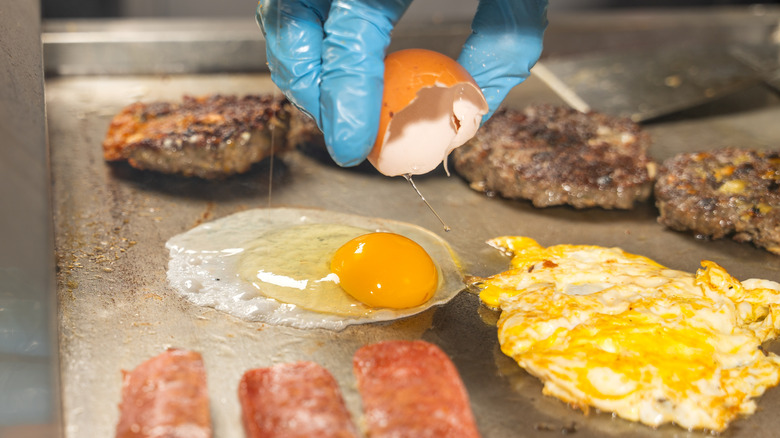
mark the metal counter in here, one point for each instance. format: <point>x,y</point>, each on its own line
<point>29,368</point>
<point>111,223</point>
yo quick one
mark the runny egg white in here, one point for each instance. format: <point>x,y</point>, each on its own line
<point>619,332</point>
<point>291,267</point>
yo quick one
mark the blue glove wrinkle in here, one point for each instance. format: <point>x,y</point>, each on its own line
<point>357,36</point>
<point>300,65</point>
<point>506,41</point>
<point>293,33</point>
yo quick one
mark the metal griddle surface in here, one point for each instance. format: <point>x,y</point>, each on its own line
<point>116,309</point>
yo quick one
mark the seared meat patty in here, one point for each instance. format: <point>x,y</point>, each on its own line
<point>555,155</point>
<point>208,137</point>
<point>729,192</point>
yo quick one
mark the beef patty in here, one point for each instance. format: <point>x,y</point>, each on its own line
<point>208,137</point>
<point>728,192</point>
<point>555,155</point>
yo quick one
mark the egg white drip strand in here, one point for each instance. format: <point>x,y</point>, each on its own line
<point>203,266</point>
<point>424,133</point>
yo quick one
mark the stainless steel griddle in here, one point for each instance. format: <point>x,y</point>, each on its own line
<point>116,309</point>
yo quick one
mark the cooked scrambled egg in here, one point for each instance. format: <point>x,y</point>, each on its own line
<point>619,332</point>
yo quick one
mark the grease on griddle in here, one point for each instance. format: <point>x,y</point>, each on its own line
<point>563,430</point>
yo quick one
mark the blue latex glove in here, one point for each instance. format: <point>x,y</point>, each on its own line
<point>327,56</point>
<point>505,42</point>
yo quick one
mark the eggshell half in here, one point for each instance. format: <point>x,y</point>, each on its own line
<point>430,106</point>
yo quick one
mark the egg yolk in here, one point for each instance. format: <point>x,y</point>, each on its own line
<point>385,270</point>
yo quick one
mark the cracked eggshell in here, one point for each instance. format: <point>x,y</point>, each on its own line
<point>430,106</point>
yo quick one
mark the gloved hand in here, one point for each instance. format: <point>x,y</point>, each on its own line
<point>327,56</point>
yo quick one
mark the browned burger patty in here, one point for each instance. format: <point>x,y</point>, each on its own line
<point>208,137</point>
<point>729,192</point>
<point>555,155</point>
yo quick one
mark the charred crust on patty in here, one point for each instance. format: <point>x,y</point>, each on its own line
<point>553,155</point>
<point>210,136</point>
<point>730,192</point>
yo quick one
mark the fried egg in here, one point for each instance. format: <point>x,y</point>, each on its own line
<point>287,266</point>
<point>619,332</point>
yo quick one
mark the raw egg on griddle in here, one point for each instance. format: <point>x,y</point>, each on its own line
<point>312,268</point>
<point>386,270</point>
